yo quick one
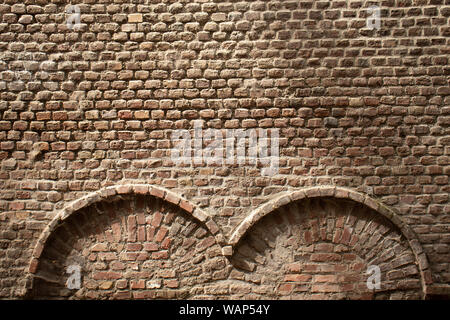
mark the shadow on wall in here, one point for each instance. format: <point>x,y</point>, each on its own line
<point>142,247</point>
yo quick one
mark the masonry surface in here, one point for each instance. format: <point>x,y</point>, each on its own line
<point>86,119</point>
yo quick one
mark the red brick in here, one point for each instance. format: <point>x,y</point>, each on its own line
<point>325,278</point>
<point>151,247</point>
<point>157,218</point>
<point>160,255</point>
<point>325,257</point>
<point>285,288</point>
<point>160,234</point>
<point>137,284</point>
<point>297,277</point>
<point>106,275</point>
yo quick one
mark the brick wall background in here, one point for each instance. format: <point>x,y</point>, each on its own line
<point>86,117</point>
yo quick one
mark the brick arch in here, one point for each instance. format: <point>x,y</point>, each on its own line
<point>321,248</point>
<point>336,192</point>
<point>113,193</point>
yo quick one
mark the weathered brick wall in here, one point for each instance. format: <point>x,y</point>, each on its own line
<point>87,114</point>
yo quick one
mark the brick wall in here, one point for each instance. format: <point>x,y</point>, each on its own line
<point>86,119</point>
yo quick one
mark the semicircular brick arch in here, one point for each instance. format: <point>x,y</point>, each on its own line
<point>378,209</point>
<point>131,245</point>
<point>110,193</point>
<point>322,248</point>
